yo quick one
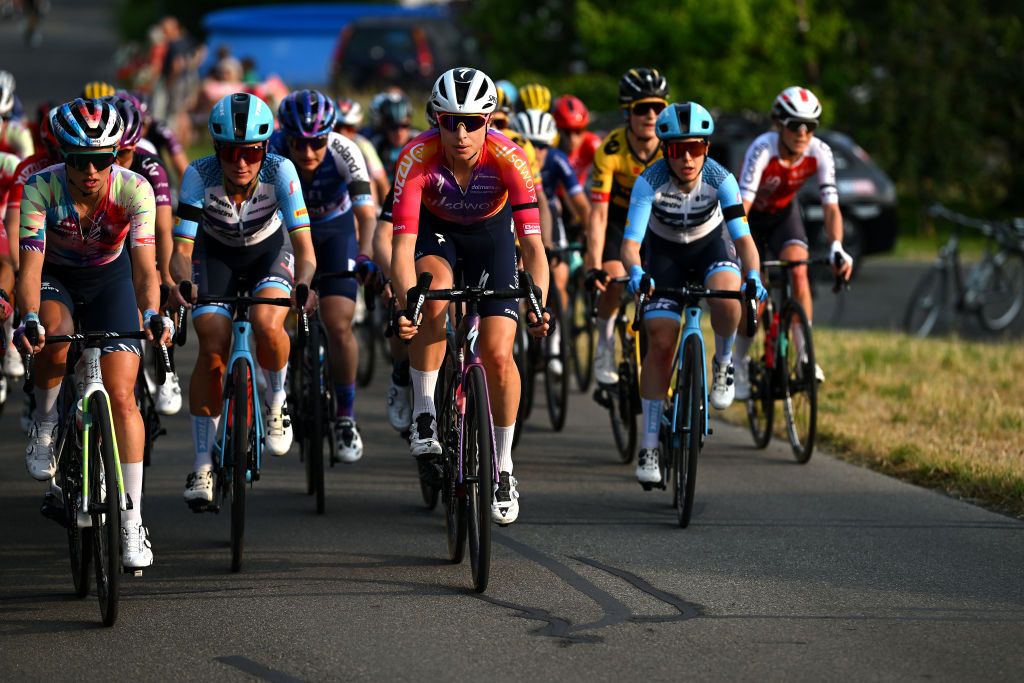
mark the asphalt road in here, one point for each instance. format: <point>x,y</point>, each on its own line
<point>787,572</point>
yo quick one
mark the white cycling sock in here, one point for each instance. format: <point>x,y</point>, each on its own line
<point>204,433</point>
<point>46,404</point>
<point>275,387</point>
<point>723,348</point>
<point>423,385</point>
<point>797,334</point>
<point>742,346</point>
<point>503,444</point>
<point>652,422</point>
<point>131,472</point>
<point>605,332</point>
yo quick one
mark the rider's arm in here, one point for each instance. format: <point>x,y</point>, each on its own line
<point>601,178</point>
<point>408,193</point>
<point>526,216</point>
<point>754,162</point>
<point>157,176</point>
<point>641,199</point>
<point>351,166</point>
<point>573,189</point>
<point>22,143</point>
<point>11,219</point>
<point>535,261</point>
<point>140,206</point>
<point>382,238</point>
<point>33,250</point>
<point>735,216</point>
<point>186,224</point>
<point>833,216</point>
<point>546,219</point>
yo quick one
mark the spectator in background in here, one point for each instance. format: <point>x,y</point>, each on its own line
<point>227,62</point>
<point>174,93</point>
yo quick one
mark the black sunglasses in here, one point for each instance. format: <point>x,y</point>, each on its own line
<point>315,144</point>
<point>81,161</point>
<point>645,108</point>
<point>471,122</point>
<point>795,125</point>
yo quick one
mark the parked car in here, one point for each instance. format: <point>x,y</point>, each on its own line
<point>404,51</point>
<point>867,196</point>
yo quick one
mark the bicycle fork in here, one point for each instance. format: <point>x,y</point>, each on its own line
<point>89,382</point>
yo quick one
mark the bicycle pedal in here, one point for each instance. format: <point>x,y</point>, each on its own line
<point>646,486</point>
<point>129,571</point>
<point>53,510</point>
<point>602,398</point>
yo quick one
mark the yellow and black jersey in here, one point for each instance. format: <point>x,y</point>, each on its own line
<point>616,168</point>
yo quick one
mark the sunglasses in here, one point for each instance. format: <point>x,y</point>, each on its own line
<point>796,124</point>
<point>540,146</point>
<point>81,161</point>
<point>471,122</point>
<point>678,150</point>
<point>499,123</point>
<point>232,154</point>
<point>645,108</point>
<point>315,144</point>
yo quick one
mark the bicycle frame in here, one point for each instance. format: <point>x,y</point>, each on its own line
<point>89,382</point>
<point>240,331</point>
<point>466,334</point>
<point>691,326</point>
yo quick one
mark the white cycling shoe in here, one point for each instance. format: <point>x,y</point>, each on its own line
<point>648,471</point>
<point>741,380</point>
<point>277,436</point>
<point>136,550</point>
<point>505,503</point>
<point>605,370</point>
<point>168,396</point>
<point>350,443</point>
<point>399,402</point>
<point>199,487</point>
<point>40,458</point>
<point>13,365</point>
<point>423,441</point>
<point>723,385</point>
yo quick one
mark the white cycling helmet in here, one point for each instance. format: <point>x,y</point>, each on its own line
<point>796,103</point>
<point>350,112</point>
<point>464,91</point>
<point>6,92</point>
<point>536,126</point>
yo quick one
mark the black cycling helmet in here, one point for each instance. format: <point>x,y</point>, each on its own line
<point>395,110</point>
<point>642,84</point>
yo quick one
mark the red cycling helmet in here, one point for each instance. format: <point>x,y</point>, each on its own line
<point>570,113</point>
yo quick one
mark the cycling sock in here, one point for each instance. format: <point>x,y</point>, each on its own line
<point>275,387</point>
<point>131,472</point>
<point>503,443</point>
<point>723,348</point>
<point>204,431</point>
<point>46,404</point>
<point>423,384</point>
<point>346,395</point>
<point>400,372</point>
<point>742,346</point>
<point>652,422</point>
<point>605,332</point>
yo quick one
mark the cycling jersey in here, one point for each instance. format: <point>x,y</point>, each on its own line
<point>50,224</point>
<point>150,168</point>
<point>338,183</point>
<point>616,168</point>
<point>388,153</point>
<point>658,202</point>
<point>276,200</point>
<point>528,149</point>
<point>25,170</point>
<point>160,138</point>
<point>582,158</point>
<point>8,168</point>
<point>16,138</point>
<point>770,185</point>
<point>374,166</point>
<point>501,175</point>
<point>559,180</point>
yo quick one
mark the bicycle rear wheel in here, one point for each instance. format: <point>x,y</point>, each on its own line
<point>80,541</point>
<point>478,462</point>
<point>556,385</point>
<point>625,403</point>
<point>581,333</point>
<point>241,424</point>
<point>104,507</point>
<point>928,301</point>
<point>689,429</point>
<point>317,416</point>
<point>1001,290</point>
<point>799,385</point>
<point>761,404</point>
<point>520,353</point>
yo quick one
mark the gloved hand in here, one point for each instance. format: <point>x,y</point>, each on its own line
<point>21,342</point>
<point>168,326</point>
<point>846,260</point>
<point>636,274</point>
<point>365,268</point>
<point>594,276</point>
<point>760,292</point>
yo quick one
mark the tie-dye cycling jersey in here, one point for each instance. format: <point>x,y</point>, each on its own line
<point>50,224</point>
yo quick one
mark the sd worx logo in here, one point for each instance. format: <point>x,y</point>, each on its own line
<point>413,156</point>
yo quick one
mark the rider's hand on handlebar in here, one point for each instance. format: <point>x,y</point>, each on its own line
<point>761,293</point>
<point>404,327</point>
<point>596,279</point>
<point>21,341</point>
<point>311,301</point>
<point>177,300</point>
<point>540,329</point>
<point>166,328</point>
<point>365,269</point>
<point>636,276</point>
<point>843,267</point>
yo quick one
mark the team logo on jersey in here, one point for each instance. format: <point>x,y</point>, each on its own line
<point>299,213</point>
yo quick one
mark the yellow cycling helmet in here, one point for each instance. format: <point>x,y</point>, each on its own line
<point>535,96</point>
<point>97,89</point>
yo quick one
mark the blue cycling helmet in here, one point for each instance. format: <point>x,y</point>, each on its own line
<point>510,90</point>
<point>241,118</point>
<point>686,120</point>
<point>307,114</point>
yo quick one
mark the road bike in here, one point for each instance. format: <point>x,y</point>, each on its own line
<point>622,400</point>
<point>991,289</point>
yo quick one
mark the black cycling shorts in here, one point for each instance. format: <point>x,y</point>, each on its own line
<point>336,247</point>
<point>221,270</point>
<point>776,231</point>
<point>676,265</point>
<point>106,294</point>
<point>484,253</point>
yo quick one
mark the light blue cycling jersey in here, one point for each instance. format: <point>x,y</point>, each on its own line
<point>276,200</point>
<point>339,182</point>
<point>679,217</point>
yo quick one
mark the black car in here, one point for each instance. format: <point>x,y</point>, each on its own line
<point>867,196</point>
<point>409,52</point>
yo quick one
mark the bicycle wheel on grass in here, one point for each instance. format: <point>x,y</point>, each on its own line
<point>104,507</point>
<point>799,385</point>
<point>1001,290</point>
<point>928,302</point>
<point>477,444</point>
<point>691,403</point>
<point>761,404</point>
<point>241,425</point>
<point>556,385</point>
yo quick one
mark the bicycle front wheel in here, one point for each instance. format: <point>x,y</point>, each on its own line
<point>761,404</point>
<point>104,507</point>
<point>520,353</point>
<point>927,303</point>
<point>453,489</point>
<point>581,333</point>
<point>241,424</point>
<point>689,429</point>
<point>1001,290</point>
<point>80,542</point>
<point>799,384</point>
<point>478,459</point>
<point>364,331</point>
<point>625,404</point>
<point>556,384</point>
<point>315,390</point>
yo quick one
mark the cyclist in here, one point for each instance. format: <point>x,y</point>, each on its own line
<point>95,90</point>
<point>76,220</point>
<point>168,395</point>
<point>158,139</point>
<point>471,185</point>
<point>336,189</point>
<point>775,166</point>
<point>623,155</point>
<point>534,96</point>
<point>557,175</point>
<point>15,137</point>
<point>350,117</point>
<point>394,113</point>
<point>508,91</point>
<point>697,227</point>
<point>245,200</point>
<point>578,143</point>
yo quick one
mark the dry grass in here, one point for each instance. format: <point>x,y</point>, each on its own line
<point>942,413</point>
